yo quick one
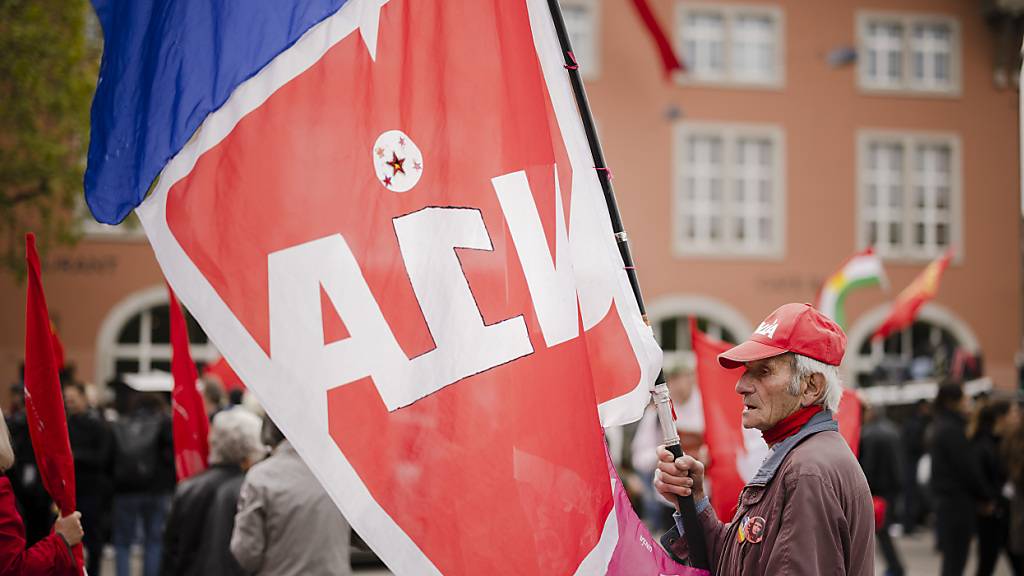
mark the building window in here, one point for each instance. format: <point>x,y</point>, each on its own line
<point>909,193</point>
<point>583,26</point>
<point>909,53</point>
<point>136,337</point>
<point>730,44</point>
<point>673,334</point>
<point>729,190</point>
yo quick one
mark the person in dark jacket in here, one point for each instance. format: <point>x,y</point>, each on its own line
<point>912,436</point>
<point>198,535</point>
<point>50,556</point>
<point>880,459</point>
<point>994,524</point>
<point>956,481</point>
<point>92,445</point>
<point>143,481</point>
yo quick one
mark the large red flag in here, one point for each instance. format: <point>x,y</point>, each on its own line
<point>405,253</point>
<point>191,426</point>
<point>227,376</point>
<point>44,401</point>
<point>910,300</point>
<point>735,451</point>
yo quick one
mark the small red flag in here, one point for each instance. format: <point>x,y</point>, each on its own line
<point>191,427</point>
<point>227,375</point>
<point>44,401</point>
<point>669,61</point>
<point>723,430</point>
<point>849,419</point>
<point>910,300</point>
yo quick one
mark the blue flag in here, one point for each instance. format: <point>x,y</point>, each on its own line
<point>166,65</point>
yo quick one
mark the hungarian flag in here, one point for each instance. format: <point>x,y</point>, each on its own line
<point>190,423</point>
<point>860,270</point>
<point>736,452</point>
<point>910,300</point>
<point>386,215</point>
<point>44,400</point>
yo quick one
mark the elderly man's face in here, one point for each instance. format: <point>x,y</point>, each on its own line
<point>765,390</point>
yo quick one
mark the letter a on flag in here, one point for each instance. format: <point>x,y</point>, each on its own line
<point>386,215</point>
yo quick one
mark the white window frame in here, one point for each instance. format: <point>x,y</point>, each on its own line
<point>906,85</point>
<point>718,314</point>
<point>109,350</point>
<point>855,363</point>
<point>906,251</point>
<point>730,134</point>
<point>588,56</point>
<point>729,14</point>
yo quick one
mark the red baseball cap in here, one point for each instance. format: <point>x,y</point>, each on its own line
<point>795,328</point>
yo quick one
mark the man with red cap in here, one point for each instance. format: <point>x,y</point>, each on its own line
<point>808,509</point>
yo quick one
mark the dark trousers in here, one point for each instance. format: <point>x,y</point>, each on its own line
<point>993,536</point>
<point>893,565</point>
<point>954,528</point>
<point>93,521</point>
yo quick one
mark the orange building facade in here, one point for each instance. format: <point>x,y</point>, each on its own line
<point>801,132</point>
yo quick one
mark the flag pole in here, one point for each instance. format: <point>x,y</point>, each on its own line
<point>687,509</point>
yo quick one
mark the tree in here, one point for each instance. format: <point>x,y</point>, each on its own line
<point>49,60</point>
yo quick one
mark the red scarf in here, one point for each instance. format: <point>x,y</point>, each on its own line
<point>790,425</point>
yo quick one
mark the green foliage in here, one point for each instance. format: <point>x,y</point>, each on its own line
<point>49,59</point>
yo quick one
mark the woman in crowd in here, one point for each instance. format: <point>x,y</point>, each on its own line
<point>51,555</point>
<point>1013,455</point>
<point>993,421</point>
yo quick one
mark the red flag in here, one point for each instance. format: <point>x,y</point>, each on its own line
<point>227,376</point>
<point>735,453</point>
<point>44,402</point>
<point>849,419</point>
<point>669,61</point>
<point>910,300</point>
<point>420,264</point>
<point>191,427</point>
<point>58,348</point>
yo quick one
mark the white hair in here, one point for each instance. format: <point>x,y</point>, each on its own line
<point>804,367</point>
<point>235,436</point>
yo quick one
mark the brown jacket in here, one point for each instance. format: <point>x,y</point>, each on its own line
<point>808,510</point>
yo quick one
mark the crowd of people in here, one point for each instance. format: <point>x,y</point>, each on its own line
<point>256,508</point>
<point>974,450</point>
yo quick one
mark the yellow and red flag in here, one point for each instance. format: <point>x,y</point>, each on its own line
<point>910,300</point>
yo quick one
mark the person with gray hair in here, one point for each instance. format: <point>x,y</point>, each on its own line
<point>808,509</point>
<point>51,555</point>
<point>198,532</point>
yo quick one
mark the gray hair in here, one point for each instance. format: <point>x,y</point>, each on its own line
<point>235,437</point>
<point>804,367</point>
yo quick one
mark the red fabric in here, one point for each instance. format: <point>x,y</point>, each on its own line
<point>879,505</point>
<point>910,300</point>
<point>723,409</point>
<point>798,328</point>
<point>44,401</point>
<point>227,376</point>
<point>58,348</point>
<point>849,419</point>
<point>49,556</point>
<point>191,426</point>
<point>669,61</point>
<point>790,424</point>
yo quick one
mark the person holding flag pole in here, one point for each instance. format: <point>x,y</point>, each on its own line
<point>808,509</point>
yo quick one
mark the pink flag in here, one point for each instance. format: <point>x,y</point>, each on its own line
<point>191,426</point>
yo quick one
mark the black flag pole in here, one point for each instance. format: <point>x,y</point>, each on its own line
<point>687,509</point>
